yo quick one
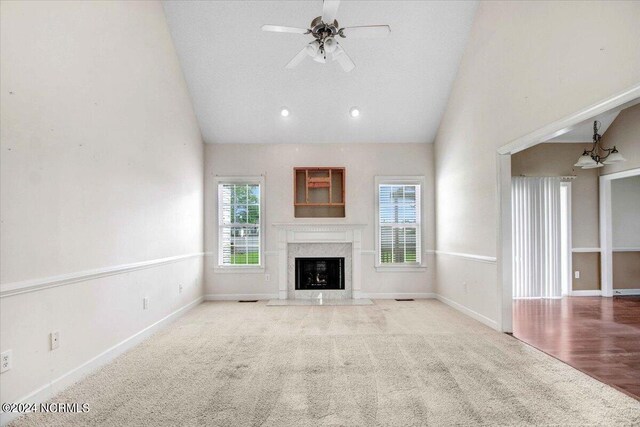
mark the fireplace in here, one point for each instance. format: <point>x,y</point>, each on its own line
<point>317,274</point>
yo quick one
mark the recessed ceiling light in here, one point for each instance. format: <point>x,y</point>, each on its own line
<point>284,112</point>
<point>354,112</point>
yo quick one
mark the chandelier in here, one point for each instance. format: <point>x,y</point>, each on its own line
<point>598,156</point>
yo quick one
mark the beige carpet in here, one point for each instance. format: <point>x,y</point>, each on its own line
<point>392,364</point>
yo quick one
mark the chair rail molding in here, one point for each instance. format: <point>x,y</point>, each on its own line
<point>470,257</point>
<point>33,285</point>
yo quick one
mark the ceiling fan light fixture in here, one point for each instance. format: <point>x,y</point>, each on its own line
<point>284,112</point>
<point>354,112</point>
<point>324,29</point>
<point>330,45</point>
<point>313,48</point>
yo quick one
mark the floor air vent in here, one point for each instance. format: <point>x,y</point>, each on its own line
<point>405,299</point>
<point>248,300</point>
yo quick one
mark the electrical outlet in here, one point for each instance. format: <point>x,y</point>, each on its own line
<point>54,339</point>
<point>145,303</point>
<point>180,289</point>
<point>267,277</point>
<point>576,274</point>
<point>5,361</point>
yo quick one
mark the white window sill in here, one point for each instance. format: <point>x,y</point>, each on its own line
<point>239,269</point>
<point>401,268</point>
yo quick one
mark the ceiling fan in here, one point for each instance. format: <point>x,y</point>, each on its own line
<point>325,29</point>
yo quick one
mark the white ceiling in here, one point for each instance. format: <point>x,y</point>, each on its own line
<point>238,83</point>
<point>583,132</point>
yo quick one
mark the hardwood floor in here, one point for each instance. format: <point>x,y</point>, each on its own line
<point>599,336</point>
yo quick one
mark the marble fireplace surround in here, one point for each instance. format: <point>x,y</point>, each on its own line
<point>319,250</point>
<point>317,239</point>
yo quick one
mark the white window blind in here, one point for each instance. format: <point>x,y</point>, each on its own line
<point>399,224</point>
<point>536,227</point>
<point>239,224</point>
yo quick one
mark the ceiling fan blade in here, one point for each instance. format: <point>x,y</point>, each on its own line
<point>343,59</point>
<point>281,29</point>
<point>298,58</point>
<point>329,10</point>
<point>372,31</point>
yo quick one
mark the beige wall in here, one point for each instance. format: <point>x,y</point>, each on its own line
<point>626,270</point>
<point>526,65</point>
<point>624,133</point>
<point>101,166</point>
<point>588,264</point>
<point>276,162</point>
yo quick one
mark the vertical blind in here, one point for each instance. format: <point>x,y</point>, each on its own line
<point>239,224</point>
<point>399,223</point>
<point>536,231</point>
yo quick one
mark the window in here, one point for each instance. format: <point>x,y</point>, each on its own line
<point>398,221</point>
<point>240,222</point>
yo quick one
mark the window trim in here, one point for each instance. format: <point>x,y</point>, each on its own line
<point>238,268</point>
<point>400,180</point>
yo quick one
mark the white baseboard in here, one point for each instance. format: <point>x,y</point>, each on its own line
<point>626,292</point>
<point>49,390</point>
<point>473,314</point>
<point>595,293</point>
<point>236,297</point>
<point>418,295</point>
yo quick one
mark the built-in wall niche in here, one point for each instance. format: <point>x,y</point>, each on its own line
<point>319,192</point>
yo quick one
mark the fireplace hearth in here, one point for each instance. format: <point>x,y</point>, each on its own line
<point>317,274</point>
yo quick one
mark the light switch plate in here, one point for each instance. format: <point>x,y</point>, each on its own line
<point>54,338</point>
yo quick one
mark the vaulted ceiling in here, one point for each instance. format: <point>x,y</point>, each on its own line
<point>238,83</point>
<point>583,132</point>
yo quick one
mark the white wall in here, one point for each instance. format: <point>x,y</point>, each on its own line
<point>101,166</point>
<point>625,212</point>
<point>526,65</point>
<point>276,162</point>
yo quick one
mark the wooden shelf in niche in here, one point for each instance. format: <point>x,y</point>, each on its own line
<point>319,192</point>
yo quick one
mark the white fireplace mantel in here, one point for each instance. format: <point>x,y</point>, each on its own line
<point>319,233</point>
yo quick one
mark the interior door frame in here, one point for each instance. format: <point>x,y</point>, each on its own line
<point>569,252</point>
<point>619,101</point>
<point>606,229</point>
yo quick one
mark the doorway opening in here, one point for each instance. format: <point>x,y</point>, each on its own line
<point>578,323</point>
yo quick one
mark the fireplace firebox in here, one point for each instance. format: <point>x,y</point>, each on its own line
<point>317,274</point>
